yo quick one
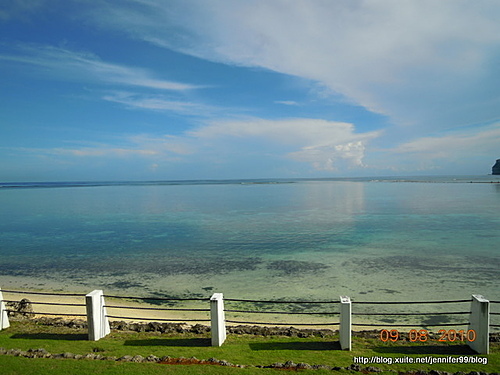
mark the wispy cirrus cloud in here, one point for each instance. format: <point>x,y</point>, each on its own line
<point>160,103</point>
<point>469,149</point>
<point>482,141</point>
<point>287,102</point>
<point>19,8</point>
<point>166,147</point>
<point>82,66</point>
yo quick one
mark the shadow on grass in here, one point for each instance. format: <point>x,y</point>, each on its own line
<point>426,349</point>
<point>319,345</point>
<point>196,342</point>
<point>51,336</point>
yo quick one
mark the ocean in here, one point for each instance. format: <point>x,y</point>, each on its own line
<point>384,239</point>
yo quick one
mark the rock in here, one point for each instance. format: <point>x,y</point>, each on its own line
<point>496,168</point>
<point>137,358</point>
<point>355,367</point>
<point>125,358</point>
<point>199,329</point>
<point>303,366</point>
<point>22,308</point>
<point>39,353</point>
<point>276,365</point>
<point>77,323</point>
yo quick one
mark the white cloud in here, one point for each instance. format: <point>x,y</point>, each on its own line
<point>480,142</point>
<point>287,102</point>
<point>160,103</point>
<point>323,144</point>
<point>327,158</point>
<point>165,147</point>
<point>419,62</point>
<point>19,8</point>
<point>467,151</point>
<point>72,65</point>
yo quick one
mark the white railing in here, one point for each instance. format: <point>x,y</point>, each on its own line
<point>476,335</point>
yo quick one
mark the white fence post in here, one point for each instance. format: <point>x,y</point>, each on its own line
<point>96,315</point>
<point>479,321</point>
<point>4,319</point>
<point>345,323</point>
<point>218,319</point>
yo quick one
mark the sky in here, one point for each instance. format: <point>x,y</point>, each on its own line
<point>228,89</point>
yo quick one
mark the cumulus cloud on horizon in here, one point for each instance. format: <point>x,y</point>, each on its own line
<point>321,143</point>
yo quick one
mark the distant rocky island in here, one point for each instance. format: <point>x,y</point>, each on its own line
<point>496,168</point>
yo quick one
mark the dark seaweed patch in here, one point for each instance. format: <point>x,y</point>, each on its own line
<point>294,267</point>
<point>436,319</point>
<point>193,266</point>
<point>483,268</point>
<point>390,291</point>
<point>126,285</point>
<point>114,267</point>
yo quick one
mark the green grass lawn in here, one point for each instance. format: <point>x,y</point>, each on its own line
<point>245,350</point>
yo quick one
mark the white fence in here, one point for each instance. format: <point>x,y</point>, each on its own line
<point>476,335</point>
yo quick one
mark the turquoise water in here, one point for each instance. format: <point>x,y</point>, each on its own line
<point>386,239</point>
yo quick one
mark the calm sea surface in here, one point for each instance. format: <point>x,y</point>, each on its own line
<point>386,239</point>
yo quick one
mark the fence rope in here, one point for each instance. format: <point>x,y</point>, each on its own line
<point>158,298</point>
<point>405,314</point>
<point>408,302</point>
<point>283,324</point>
<point>154,308</point>
<point>156,319</point>
<point>44,313</point>
<point>49,303</point>
<point>282,312</point>
<point>288,302</point>
<point>409,325</point>
<point>45,293</point>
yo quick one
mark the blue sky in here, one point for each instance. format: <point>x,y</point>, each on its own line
<point>161,90</point>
